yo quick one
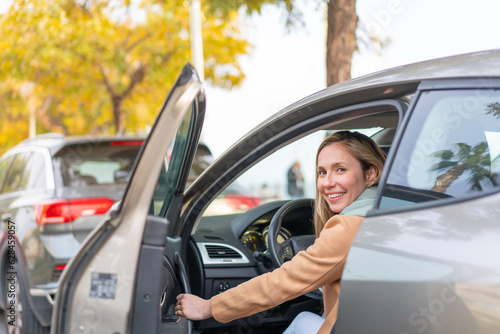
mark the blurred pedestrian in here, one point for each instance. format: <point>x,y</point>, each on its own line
<point>295,181</point>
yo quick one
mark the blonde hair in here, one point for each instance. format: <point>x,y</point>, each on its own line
<point>361,147</point>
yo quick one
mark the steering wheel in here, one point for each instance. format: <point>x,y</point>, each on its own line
<point>282,252</point>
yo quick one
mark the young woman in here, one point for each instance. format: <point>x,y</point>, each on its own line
<point>349,165</point>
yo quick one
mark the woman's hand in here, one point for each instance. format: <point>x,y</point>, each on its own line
<point>193,307</point>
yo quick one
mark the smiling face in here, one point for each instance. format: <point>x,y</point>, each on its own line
<point>340,178</point>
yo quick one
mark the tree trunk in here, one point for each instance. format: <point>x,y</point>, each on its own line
<point>136,77</point>
<point>118,115</point>
<point>341,40</point>
<point>445,180</point>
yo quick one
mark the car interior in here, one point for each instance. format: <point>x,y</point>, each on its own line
<point>228,248</point>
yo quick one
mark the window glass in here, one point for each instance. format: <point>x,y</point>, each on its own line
<point>451,148</point>
<point>36,177</point>
<point>4,166</point>
<point>14,179</point>
<point>169,177</point>
<point>202,159</point>
<point>92,163</point>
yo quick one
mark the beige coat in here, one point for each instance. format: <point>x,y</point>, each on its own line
<point>320,265</point>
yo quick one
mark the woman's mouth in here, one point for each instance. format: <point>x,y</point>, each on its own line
<point>334,196</point>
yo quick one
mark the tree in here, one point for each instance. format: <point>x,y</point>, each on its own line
<point>97,65</point>
<point>493,108</point>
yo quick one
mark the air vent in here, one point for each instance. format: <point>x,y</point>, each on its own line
<point>218,252</point>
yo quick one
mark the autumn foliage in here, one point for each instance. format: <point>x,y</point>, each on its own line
<point>100,66</point>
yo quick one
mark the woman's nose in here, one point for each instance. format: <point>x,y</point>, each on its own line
<point>329,181</point>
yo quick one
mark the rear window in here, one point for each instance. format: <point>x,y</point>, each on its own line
<point>90,163</point>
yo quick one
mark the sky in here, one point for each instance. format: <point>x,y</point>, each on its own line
<point>285,67</point>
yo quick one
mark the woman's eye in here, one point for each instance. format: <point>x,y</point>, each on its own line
<point>340,170</point>
<point>321,172</point>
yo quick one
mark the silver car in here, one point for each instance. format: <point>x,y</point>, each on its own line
<point>54,190</point>
<point>425,259</point>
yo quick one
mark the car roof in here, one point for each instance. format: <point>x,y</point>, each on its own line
<point>55,141</point>
<point>484,64</point>
<point>476,64</point>
<point>391,83</point>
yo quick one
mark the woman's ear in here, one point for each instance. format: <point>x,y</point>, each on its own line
<point>371,175</point>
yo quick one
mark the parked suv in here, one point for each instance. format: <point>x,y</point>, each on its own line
<point>53,191</point>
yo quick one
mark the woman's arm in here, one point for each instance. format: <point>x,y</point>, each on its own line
<point>320,264</point>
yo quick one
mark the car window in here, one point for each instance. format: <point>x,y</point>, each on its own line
<point>451,148</point>
<point>169,175</point>
<point>4,166</point>
<point>202,159</point>
<point>14,180</point>
<point>91,163</point>
<point>34,176</point>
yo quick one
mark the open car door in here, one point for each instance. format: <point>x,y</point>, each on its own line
<point>129,271</point>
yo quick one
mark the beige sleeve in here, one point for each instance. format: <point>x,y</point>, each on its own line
<point>320,264</point>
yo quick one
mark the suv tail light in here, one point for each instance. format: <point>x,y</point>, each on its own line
<point>242,202</point>
<point>56,272</point>
<point>67,210</point>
